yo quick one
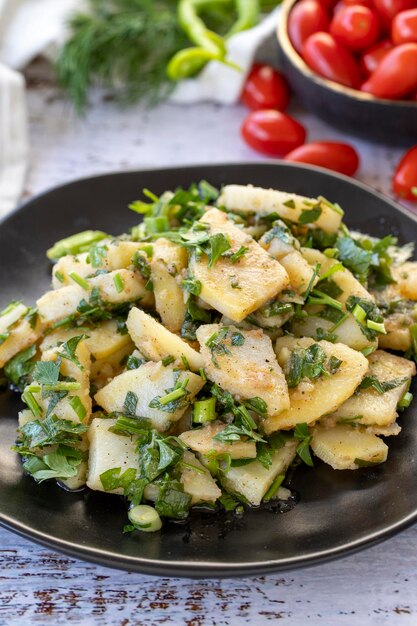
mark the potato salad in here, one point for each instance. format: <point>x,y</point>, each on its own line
<point>228,337</point>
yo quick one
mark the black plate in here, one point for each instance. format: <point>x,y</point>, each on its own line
<point>339,512</point>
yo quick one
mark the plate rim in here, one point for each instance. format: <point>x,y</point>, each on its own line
<point>206,569</point>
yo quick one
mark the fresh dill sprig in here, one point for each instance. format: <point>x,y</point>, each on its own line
<point>124,45</point>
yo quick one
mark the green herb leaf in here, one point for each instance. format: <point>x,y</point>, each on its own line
<point>381,386</point>
<point>309,216</point>
<point>130,403</point>
<point>218,244</point>
<point>302,433</point>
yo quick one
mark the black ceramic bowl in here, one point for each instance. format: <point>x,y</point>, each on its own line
<point>388,121</point>
<point>338,512</point>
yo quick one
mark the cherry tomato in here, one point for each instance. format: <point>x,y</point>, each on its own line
<point>405,176</point>
<point>372,57</point>
<point>272,132</point>
<point>355,27</point>
<point>265,88</point>
<point>332,155</point>
<point>404,27</point>
<point>365,3</point>
<point>396,75</point>
<point>389,8</point>
<point>306,18</point>
<point>330,59</point>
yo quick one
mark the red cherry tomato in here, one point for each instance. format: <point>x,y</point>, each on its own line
<point>330,59</point>
<point>355,27</point>
<point>396,75</point>
<point>265,88</point>
<point>332,155</point>
<point>404,27</point>
<point>365,3</point>
<point>405,176</point>
<point>306,18</point>
<point>373,56</point>
<point>389,8</point>
<point>272,132</point>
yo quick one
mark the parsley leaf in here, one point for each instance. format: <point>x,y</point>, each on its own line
<point>219,243</point>
<point>379,386</point>
<point>302,434</point>
<point>354,257</point>
<point>309,216</point>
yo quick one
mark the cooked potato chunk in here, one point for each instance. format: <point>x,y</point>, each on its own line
<point>312,399</point>
<point>102,340</point>
<point>114,256</point>
<point>21,336</point>
<point>348,332</point>
<point>198,482</point>
<point>55,305</point>
<point>406,277</point>
<point>253,480</point>
<point>289,206</point>
<point>168,261</point>
<point>156,342</point>
<point>243,362</point>
<point>148,382</point>
<point>299,271</point>
<point>201,440</point>
<point>258,276</point>
<point>344,447</point>
<point>107,451</point>
<point>379,409</point>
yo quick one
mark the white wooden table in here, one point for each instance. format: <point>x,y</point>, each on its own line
<point>377,586</point>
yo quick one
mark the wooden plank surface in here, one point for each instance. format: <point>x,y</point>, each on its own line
<point>377,586</point>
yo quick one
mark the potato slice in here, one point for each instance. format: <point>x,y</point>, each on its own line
<point>348,332</point>
<point>22,335</point>
<point>289,206</point>
<point>156,342</point>
<point>258,276</point>
<point>147,382</point>
<point>246,370</point>
<point>379,409</point>
<point>116,255</point>
<point>299,271</point>
<point>58,304</point>
<point>312,399</point>
<point>406,277</point>
<point>253,480</point>
<point>107,451</point>
<point>201,440</point>
<point>103,340</point>
<point>198,482</point>
<point>168,261</point>
<point>344,447</point>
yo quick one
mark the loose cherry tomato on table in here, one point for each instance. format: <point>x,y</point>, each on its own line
<point>388,9</point>
<point>396,75</point>
<point>404,27</point>
<point>330,59</point>
<point>272,132</point>
<point>373,56</point>
<point>332,155</point>
<point>355,27</point>
<point>307,17</point>
<point>265,88</point>
<point>405,176</point>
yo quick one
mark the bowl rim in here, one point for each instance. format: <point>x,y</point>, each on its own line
<point>289,50</point>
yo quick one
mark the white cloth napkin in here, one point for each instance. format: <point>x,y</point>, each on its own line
<point>29,28</point>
